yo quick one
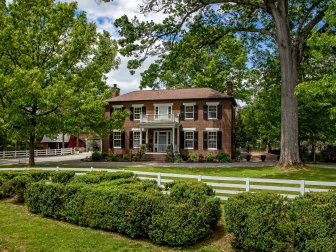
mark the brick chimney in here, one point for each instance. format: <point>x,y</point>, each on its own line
<point>229,89</point>
<point>115,91</point>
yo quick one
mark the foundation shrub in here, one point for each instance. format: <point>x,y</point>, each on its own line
<point>267,222</point>
<point>223,158</point>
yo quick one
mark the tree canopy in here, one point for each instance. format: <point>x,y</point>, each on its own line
<point>52,67</point>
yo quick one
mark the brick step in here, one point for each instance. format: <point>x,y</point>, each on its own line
<point>154,158</point>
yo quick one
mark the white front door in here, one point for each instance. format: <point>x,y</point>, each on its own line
<point>161,140</point>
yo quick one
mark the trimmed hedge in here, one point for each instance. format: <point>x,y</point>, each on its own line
<point>268,222</point>
<point>98,177</point>
<point>132,207</point>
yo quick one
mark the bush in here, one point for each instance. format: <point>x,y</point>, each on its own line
<point>185,157</point>
<point>268,222</point>
<point>209,157</point>
<point>178,159</point>
<point>329,154</point>
<point>96,156</point>
<point>193,157</point>
<point>132,207</point>
<point>62,177</point>
<point>223,158</point>
<point>15,187</point>
<point>97,177</point>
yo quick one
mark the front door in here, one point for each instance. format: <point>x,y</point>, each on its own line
<point>161,140</point>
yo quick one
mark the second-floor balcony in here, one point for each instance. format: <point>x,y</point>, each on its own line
<point>159,118</point>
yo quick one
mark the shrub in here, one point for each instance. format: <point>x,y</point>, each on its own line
<point>126,157</point>
<point>223,158</point>
<point>96,156</point>
<point>62,176</point>
<point>193,157</point>
<point>178,159</point>
<point>132,207</point>
<point>170,154</point>
<point>15,187</point>
<point>209,157</point>
<point>97,177</point>
<point>329,154</point>
<point>185,157</point>
<point>238,155</point>
<point>268,222</point>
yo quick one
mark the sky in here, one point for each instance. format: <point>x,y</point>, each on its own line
<point>103,15</point>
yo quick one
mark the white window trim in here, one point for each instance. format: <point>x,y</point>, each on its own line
<point>213,118</point>
<point>212,129</point>
<point>162,104</point>
<point>134,138</point>
<point>193,140</point>
<point>117,106</point>
<point>189,103</point>
<point>137,129</point>
<point>212,103</point>
<point>116,147</point>
<point>216,140</point>
<point>138,105</point>
<point>185,112</point>
<point>189,129</point>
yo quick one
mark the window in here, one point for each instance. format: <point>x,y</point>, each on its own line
<point>212,112</point>
<point>212,140</point>
<point>117,139</point>
<point>189,112</point>
<point>117,109</point>
<point>136,139</point>
<point>137,113</point>
<point>189,140</point>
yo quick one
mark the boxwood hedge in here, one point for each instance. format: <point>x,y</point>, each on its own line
<point>268,222</point>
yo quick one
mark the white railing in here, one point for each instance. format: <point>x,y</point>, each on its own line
<point>37,153</point>
<point>150,118</point>
<point>223,186</point>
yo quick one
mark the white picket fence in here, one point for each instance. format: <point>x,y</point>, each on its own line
<point>223,186</point>
<point>37,153</point>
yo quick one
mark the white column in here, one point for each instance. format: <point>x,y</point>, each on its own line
<point>173,140</point>
<point>178,140</point>
<point>146,136</point>
<point>140,137</point>
<point>101,145</point>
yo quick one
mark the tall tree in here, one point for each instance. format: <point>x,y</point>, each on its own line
<point>51,58</point>
<point>284,24</point>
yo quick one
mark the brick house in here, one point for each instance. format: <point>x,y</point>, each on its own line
<point>191,120</point>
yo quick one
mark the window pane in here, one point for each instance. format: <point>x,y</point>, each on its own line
<point>189,111</point>
<point>212,140</point>
<point>212,111</point>
<point>136,139</point>
<point>189,139</point>
<point>137,113</point>
<point>117,139</point>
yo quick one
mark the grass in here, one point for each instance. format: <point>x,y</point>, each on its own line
<point>272,172</point>
<point>23,231</point>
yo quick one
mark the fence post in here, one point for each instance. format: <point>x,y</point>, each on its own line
<point>247,180</point>
<point>159,179</point>
<point>91,168</point>
<point>199,178</point>
<point>302,187</point>
<point>57,168</point>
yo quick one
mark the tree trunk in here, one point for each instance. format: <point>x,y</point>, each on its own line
<point>289,62</point>
<point>77,141</point>
<point>31,150</point>
<point>5,143</point>
<point>63,143</point>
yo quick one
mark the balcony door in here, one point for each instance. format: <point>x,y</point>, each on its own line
<point>163,112</point>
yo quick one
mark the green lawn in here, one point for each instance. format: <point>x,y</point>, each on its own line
<point>23,231</point>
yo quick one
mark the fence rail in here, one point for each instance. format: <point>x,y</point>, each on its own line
<point>37,153</point>
<point>224,187</point>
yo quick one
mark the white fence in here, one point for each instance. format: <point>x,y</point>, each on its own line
<point>223,186</point>
<point>37,153</point>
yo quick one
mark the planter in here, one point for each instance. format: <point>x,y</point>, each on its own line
<point>248,157</point>
<point>263,157</point>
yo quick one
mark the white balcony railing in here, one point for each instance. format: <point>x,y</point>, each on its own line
<point>159,118</point>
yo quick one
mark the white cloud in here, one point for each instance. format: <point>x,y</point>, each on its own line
<point>104,15</point>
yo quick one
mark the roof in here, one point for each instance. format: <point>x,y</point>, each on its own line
<point>170,94</point>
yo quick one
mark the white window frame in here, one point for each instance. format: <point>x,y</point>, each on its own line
<point>114,139</point>
<point>134,140</point>
<point>139,113</point>
<point>185,112</point>
<point>208,140</point>
<point>192,140</point>
<point>216,107</point>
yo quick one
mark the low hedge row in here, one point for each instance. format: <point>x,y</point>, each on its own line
<point>132,207</point>
<point>268,222</point>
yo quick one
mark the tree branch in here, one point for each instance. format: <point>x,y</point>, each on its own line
<point>304,18</point>
<point>265,32</point>
<point>307,29</point>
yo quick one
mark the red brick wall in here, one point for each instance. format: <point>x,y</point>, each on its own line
<point>225,124</point>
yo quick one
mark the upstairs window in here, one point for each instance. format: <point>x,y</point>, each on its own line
<point>189,112</point>
<point>212,112</point>
<point>137,113</point>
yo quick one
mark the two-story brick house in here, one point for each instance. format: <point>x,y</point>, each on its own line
<point>191,120</point>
